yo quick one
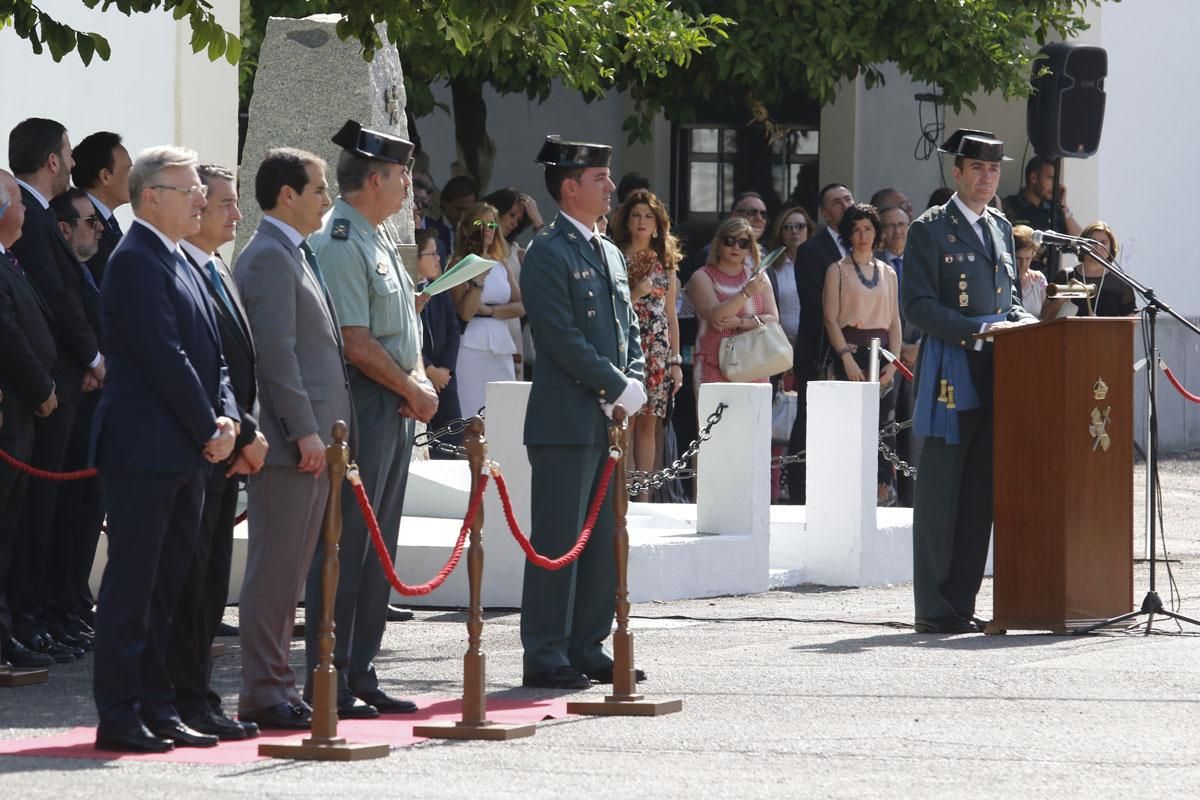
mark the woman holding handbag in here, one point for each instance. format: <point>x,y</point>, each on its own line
<point>862,302</point>
<point>731,296</point>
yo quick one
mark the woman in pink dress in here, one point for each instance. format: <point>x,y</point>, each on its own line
<point>730,296</point>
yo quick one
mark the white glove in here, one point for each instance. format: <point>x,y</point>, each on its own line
<point>632,400</point>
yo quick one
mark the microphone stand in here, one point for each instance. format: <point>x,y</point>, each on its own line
<point>1152,604</point>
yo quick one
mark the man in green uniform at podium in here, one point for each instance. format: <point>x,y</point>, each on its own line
<point>589,363</point>
<point>959,280</point>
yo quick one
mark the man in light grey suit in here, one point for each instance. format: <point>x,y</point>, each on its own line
<point>303,391</point>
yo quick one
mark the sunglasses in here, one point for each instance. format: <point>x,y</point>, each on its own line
<point>750,212</point>
<point>491,226</point>
<point>742,243</point>
<point>793,226</point>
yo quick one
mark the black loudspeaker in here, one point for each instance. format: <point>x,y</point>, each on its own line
<point>1066,110</point>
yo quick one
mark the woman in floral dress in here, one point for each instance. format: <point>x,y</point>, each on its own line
<point>641,229</point>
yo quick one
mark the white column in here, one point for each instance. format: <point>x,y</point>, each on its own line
<point>843,437</point>
<point>733,482</point>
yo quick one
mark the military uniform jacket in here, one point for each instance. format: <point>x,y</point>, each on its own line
<point>368,283</point>
<point>950,278</point>
<point>584,330</point>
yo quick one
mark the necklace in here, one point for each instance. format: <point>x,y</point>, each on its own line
<point>870,284</point>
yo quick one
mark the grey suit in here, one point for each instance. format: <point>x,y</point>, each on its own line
<point>303,390</point>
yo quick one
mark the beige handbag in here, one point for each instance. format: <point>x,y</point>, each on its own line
<point>756,354</point>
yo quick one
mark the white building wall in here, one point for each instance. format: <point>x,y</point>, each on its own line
<point>152,91</point>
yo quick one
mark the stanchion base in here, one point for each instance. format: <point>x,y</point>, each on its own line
<point>218,650</point>
<point>327,750</point>
<point>488,731</point>
<point>628,706</point>
<point>13,678</point>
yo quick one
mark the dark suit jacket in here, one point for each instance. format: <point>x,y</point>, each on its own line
<point>28,353</point>
<point>50,264</point>
<point>167,382</point>
<point>108,242</point>
<point>237,345</point>
<point>440,337</point>
<point>812,260</point>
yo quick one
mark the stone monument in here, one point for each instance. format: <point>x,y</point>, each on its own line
<point>309,82</point>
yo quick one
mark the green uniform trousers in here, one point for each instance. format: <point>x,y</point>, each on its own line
<point>567,614</point>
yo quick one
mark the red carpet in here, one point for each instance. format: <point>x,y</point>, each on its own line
<point>395,730</point>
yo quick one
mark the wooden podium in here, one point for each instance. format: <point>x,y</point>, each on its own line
<point>1063,537</point>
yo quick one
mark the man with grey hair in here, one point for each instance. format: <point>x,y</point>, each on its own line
<point>206,587</point>
<point>373,294</point>
<point>166,416</point>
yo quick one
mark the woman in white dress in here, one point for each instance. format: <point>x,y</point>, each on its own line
<point>484,304</point>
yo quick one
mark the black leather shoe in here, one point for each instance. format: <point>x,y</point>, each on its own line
<point>398,614</point>
<point>182,735</point>
<point>353,708</point>
<point>221,726</point>
<point>557,678</point>
<point>22,657</point>
<point>61,653</point>
<point>225,629</point>
<point>606,675</point>
<point>952,624</point>
<point>132,740</point>
<point>283,716</point>
<point>386,704</point>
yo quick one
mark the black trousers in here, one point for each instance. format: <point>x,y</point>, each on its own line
<point>12,497</point>
<point>76,524</point>
<point>796,476</point>
<point>201,603</point>
<point>29,591</point>
<point>153,521</point>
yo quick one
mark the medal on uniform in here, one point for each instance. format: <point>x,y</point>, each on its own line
<point>959,257</point>
<point>949,259</point>
<point>951,238</point>
<point>381,268</point>
<point>963,300</point>
<point>962,285</point>
<point>970,256</point>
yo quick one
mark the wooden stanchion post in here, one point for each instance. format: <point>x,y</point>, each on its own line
<point>325,744</point>
<point>13,677</point>
<point>624,701</point>
<point>474,723</point>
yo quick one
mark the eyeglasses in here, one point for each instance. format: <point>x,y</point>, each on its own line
<point>792,227</point>
<point>491,226</point>
<point>742,243</point>
<point>751,212</point>
<point>433,254</point>
<point>201,190</point>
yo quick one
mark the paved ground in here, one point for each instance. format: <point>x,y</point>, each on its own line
<point>795,693</point>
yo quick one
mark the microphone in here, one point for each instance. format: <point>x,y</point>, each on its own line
<point>1059,240</point>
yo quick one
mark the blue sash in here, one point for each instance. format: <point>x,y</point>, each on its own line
<point>945,387</point>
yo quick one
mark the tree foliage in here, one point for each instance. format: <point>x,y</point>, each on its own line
<point>666,54</point>
<point>44,32</point>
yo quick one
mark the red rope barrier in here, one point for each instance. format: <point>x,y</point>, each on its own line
<point>385,560</point>
<point>1179,386</point>
<point>34,472</point>
<point>534,556</point>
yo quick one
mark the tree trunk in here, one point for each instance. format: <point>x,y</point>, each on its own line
<point>476,150</point>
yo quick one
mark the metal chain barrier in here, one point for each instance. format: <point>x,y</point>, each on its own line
<point>430,438</point>
<point>679,468</point>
